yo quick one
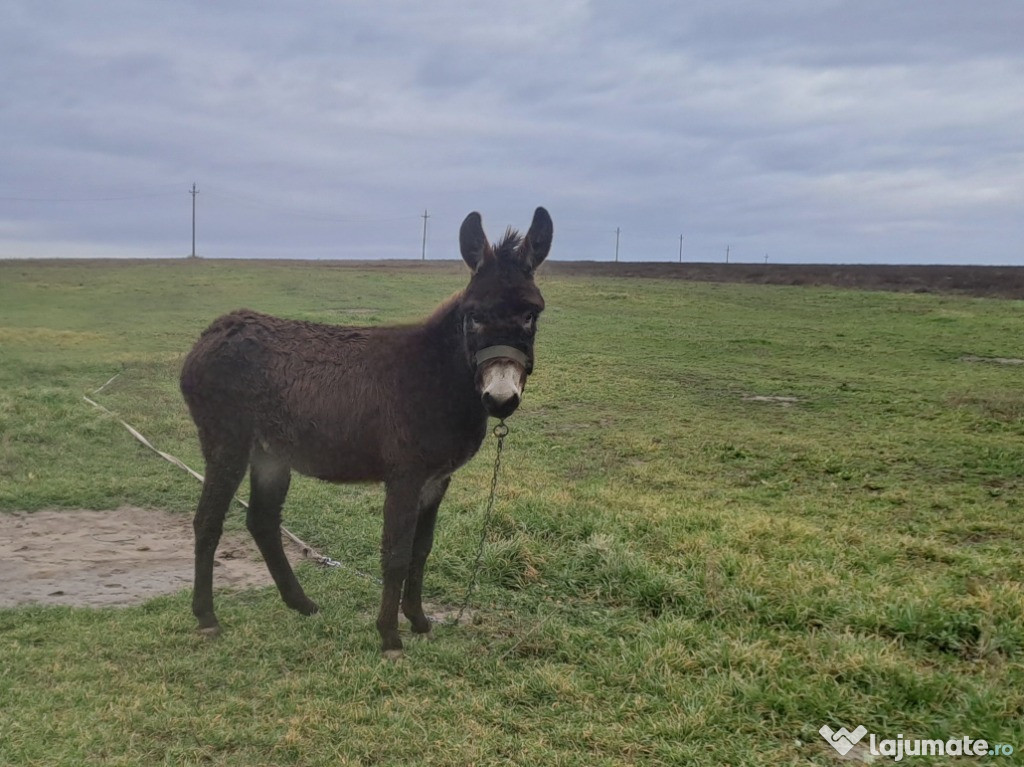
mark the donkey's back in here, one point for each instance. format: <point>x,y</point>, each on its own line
<point>319,398</point>
<point>244,352</point>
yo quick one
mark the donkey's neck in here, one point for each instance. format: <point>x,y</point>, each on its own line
<point>442,332</point>
<point>454,398</point>
<point>446,313</point>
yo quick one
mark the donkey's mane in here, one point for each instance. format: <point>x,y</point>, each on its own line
<point>445,311</point>
<point>508,244</point>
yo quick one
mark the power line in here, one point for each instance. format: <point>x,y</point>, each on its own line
<point>583,228</point>
<point>118,198</point>
<point>266,205</point>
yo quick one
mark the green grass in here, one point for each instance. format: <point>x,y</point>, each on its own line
<point>676,574</point>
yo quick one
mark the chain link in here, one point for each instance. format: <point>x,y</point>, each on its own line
<point>500,431</point>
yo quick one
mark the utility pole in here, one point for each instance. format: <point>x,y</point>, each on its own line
<point>680,248</point>
<point>193,192</point>
<point>766,258</point>
<point>617,230</point>
<point>727,253</point>
<point>425,216</point>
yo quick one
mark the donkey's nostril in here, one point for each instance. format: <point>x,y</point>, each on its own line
<point>500,407</point>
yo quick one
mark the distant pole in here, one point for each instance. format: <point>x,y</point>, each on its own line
<point>766,258</point>
<point>193,192</point>
<point>680,248</point>
<point>727,253</point>
<point>617,230</point>
<point>425,216</point>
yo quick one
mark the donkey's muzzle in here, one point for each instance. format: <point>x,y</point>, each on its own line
<point>501,387</point>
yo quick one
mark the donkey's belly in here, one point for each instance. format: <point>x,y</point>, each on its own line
<point>346,474</point>
<point>330,457</point>
<point>360,451</point>
<point>340,467</point>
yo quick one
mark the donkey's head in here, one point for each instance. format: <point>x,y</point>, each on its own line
<point>500,308</point>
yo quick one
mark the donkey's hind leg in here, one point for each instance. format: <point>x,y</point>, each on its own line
<point>224,472</point>
<point>269,481</point>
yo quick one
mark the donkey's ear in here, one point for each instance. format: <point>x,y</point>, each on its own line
<point>472,241</point>
<point>537,242</point>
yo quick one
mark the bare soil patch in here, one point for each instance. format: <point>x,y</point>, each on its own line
<point>119,557</point>
<point>442,613</point>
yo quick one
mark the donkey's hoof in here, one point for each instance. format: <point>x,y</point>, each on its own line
<point>209,632</point>
<point>420,625</point>
<point>392,655</point>
<point>305,606</point>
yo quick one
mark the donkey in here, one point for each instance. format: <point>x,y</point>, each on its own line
<point>404,405</point>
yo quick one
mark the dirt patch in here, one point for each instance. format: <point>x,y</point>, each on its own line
<point>446,614</point>
<point>120,557</point>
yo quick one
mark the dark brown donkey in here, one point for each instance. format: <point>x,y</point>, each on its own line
<point>404,405</point>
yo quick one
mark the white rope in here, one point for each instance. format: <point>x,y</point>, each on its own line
<point>147,443</point>
<point>109,381</point>
<point>307,551</point>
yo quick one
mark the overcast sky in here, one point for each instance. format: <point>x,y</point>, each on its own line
<point>807,130</point>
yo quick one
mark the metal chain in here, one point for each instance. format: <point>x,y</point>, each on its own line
<point>500,431</point>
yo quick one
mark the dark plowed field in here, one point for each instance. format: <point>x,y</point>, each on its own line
<point>983,281</point>
<point>988,281</point>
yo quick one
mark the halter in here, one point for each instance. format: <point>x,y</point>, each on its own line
<point>504,352</point>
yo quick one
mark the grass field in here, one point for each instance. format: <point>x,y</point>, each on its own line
<point>677,573</point>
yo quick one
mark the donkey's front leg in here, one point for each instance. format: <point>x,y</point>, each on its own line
<point>400,511</point>
<point>412,600</point>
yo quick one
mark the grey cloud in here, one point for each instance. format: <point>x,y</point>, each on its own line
<point>815,130</point>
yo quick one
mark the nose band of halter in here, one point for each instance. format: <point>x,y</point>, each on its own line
<point>505,352</point>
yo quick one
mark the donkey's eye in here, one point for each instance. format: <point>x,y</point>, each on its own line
<point>528,321</point>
